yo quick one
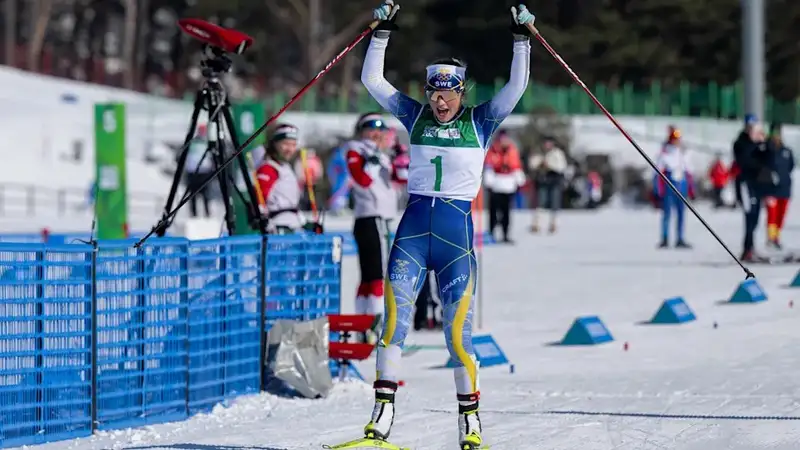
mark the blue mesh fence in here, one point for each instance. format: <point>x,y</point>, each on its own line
<point>177,326</point>
<point>45,343</point>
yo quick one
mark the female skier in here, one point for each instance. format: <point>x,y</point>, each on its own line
<point>279,184</point>
<point>375,205</point>
<point>448,145</point>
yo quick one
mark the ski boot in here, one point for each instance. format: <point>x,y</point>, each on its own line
<point>552,228</point>
<point>774,244</point>
<point>380,425</point>
<point>682,244</point>
<point>534,228</point>
<point>469,423</point>
<point>664,244</point>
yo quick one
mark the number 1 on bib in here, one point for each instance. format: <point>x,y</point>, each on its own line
<point>437,183</point>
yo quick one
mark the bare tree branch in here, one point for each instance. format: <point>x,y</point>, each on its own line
<point>42,19</point>
<point>285,16</point>
<point>301,9</point>
<point>129,43</point>
<point>335,43</point>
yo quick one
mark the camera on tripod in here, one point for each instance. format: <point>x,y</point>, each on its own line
<point>225,39</point>
<point>212,97</point>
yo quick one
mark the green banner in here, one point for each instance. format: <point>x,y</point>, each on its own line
<point>248,117</point>
<point>110,204</point>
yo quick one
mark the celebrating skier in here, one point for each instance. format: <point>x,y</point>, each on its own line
<point>448,142</point>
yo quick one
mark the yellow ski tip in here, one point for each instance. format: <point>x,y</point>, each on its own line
<point>364,443</point>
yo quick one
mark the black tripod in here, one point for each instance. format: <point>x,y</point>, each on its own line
<point>212,97</point>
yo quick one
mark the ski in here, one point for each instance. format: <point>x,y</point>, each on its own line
<point>364,443</point>
<point>776,259</point>
<point>377,443</point>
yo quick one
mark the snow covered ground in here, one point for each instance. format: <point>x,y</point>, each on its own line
<point>688,387</point>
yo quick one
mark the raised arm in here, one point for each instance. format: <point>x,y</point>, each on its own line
<point>489,115</point>
<point>405,108</point>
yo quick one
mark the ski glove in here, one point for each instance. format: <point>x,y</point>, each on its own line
<point>386,14</point>
<point>522,17</point>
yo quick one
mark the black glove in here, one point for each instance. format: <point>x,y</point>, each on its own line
<point>373,159</point>
<point>386,13</point>
<point>520,32</point>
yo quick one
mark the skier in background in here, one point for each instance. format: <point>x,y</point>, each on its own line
<point>503,177</point>
<point>673,163</point>
<point>718,175</point>
<point>279,185</point>
<point>448,142</point>
<point>782,164</point>
<point>375,204</point>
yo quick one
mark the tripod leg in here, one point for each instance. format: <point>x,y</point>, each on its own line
<point>216,145</point>
<point>254,216</point>
<point>184,152</point>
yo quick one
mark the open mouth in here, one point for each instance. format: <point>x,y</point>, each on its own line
<point>442,111</point>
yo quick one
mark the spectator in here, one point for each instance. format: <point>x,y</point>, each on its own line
<point>548,170</point>
<point>782,165</point>
<point>595,189</point>
<point>718,175</point>
<point>743,141</point>
<point>755,178</point>
<point>340,181</point>
<point>674,165</point>
<point>503,177</point>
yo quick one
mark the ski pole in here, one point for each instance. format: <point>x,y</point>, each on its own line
<point>565,66</point>
<point>309,184</point>
<point>167,217</point>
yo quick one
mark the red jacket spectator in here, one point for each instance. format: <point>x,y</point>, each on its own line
<point>718,174</point>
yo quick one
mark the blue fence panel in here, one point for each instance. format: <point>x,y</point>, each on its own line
<point>45,332</point>
<point>141,327</point>
<point>224,341</point>
<point>303,279</point>
<point>176,322</point>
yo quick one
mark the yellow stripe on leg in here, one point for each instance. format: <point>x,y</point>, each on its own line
<point>390,325</point>
<point>457,334</point>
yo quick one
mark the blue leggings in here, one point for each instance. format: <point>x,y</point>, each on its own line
<point>671,203</point>
<point>434,234</point>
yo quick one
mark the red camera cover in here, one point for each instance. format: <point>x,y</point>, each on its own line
<point>231,41</point>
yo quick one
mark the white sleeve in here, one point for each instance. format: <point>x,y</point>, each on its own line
<point>503,103</point>
<point>405,108</point>
<point>489,115</point>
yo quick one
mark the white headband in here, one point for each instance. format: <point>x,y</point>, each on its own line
<point>446,69</point>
